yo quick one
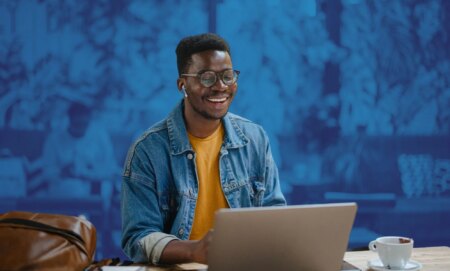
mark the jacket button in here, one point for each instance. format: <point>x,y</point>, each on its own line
<point>190,156</point>
<point>180,232</point>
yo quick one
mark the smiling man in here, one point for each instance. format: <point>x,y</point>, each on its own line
<point>199,159</point>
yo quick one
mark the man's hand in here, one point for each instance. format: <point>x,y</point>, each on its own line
<point>200,251</point>
<point>184,251</point>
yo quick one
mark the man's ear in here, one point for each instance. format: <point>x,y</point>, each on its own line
<point>180,84</point>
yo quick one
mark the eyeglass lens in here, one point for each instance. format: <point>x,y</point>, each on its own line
<point>209,78</point>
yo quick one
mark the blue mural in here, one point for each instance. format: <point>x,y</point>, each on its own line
<point>354,94</point>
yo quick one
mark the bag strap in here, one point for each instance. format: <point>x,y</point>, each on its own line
<point>73,237</point>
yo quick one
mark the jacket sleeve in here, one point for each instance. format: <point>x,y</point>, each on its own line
<point>143,238</point>
<point>273,196</point>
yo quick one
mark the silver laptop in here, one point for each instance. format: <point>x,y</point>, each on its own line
<point>301,237</point>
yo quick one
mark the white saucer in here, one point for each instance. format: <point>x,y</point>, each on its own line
<point>376,264</point>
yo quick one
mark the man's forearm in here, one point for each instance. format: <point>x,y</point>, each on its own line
<point>184,251</point>
<point>178,251</point>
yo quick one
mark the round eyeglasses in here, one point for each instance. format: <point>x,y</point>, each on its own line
<point>209,78</point>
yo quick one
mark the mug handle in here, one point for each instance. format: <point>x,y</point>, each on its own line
<point>372,246</point>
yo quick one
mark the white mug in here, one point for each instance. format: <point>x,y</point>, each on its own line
<point>393,251</point>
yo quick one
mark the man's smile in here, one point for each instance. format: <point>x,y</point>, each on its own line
<point>218,99</point>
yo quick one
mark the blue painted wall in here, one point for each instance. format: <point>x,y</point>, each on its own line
<point>354,94</point>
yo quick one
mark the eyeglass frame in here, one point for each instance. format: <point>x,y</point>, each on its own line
<point>219,75</point>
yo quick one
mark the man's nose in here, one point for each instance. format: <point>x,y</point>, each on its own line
<point>219,85</point>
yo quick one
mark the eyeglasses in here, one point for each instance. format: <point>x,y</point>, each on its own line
<point>209,78</point>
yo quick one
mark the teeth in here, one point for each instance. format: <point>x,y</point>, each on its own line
<point>217,100</point>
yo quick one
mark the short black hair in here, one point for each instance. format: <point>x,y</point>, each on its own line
<point>198,43</point>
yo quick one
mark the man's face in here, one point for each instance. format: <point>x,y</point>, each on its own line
<point>210,103</point>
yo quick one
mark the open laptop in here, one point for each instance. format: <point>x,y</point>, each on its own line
<point>301,237</point>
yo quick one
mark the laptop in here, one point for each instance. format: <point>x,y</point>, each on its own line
<point>300,237</point>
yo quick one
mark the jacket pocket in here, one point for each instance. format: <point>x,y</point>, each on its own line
<point>245,192</point>
<point>257,190</point>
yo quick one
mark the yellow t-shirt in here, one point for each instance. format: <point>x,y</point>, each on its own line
<point>210,194</point>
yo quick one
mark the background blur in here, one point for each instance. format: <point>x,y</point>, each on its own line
<point>354,94</point>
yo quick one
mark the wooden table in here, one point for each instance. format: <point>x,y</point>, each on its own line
<point>432,259</point>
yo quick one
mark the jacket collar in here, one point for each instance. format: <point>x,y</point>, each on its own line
<point>179,141</point>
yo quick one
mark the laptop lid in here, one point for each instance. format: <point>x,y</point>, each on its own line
<point>300,237</point>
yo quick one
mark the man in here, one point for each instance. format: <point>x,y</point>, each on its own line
<point>199,159</point>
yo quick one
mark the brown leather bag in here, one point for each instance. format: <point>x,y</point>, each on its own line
<point>35,241</point>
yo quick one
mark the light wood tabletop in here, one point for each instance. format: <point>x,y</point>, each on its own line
<point>431,258</point>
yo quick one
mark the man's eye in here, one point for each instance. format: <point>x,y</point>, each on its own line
<point>208,78</point>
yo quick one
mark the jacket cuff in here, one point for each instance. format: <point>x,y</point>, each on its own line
<point>154,244</point>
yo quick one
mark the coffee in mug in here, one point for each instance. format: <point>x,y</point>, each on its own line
<point>393,251</point>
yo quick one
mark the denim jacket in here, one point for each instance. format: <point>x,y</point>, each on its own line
<point>159,187</point>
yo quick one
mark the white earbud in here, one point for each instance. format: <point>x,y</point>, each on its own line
<point>184,91</point>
